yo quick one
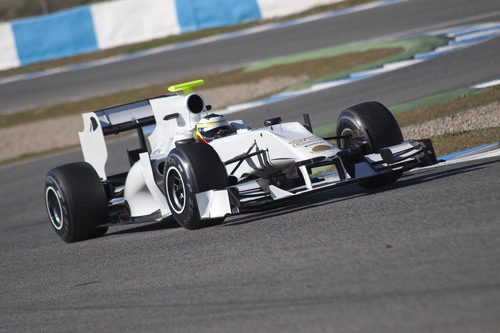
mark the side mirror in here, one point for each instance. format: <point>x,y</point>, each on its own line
<point>272,121</point>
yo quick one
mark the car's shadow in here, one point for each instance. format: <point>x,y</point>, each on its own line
<point>168,223</point>
<point>349,192</point>
<point>318,199</point>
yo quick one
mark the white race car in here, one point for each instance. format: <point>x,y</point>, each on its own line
<point>199,168</point>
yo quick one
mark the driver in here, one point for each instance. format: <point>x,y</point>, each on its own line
<point>211,127</point>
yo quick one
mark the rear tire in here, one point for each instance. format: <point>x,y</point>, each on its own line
<point>76,202</point>
<point>374,124</point>
<point>191,169</point>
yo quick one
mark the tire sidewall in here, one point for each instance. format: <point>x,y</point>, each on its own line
<point>174,169</point>
<point>374,122</point>
<point>176,162</point>
<point>376,125</point>
<point>201,170</point>
<point>82,198</point>
<point>53,183</point>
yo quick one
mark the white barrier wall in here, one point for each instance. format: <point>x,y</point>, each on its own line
<point>276,8</point>
<point>131,21</point>
<point>8,51</point>
<point>119,22</point>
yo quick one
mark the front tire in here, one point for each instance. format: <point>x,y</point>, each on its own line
<point>372,124</point>
<point>76,202</point>
<point>191,169</point>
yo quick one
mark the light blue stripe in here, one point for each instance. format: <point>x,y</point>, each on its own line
<point>473,39</point>
<point>202,14</point>
<point>459,153</point>
<point>476,31</point>
<point>425,56</point>
<point>290,95</point>
<point>57,35</point>
<point>432,54</point>
<point>360,75</point>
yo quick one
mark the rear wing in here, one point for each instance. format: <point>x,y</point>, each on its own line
<point>171,114</point>
<point>125,117</point>
<point>98,124</point>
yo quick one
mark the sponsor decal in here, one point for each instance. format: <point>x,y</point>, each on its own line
<point>320,148</point>
<point>307,141</point>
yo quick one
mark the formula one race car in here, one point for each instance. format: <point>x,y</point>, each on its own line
<point>199,168</point>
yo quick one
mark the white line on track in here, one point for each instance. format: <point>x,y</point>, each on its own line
<point>488,84</point>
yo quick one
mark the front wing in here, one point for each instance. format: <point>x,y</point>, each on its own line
<point>399,158</point>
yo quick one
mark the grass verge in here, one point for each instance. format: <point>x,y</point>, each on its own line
<point>450,143</point>
<point>410,46</point>
<point>443,105</point>
<point>126,49</point>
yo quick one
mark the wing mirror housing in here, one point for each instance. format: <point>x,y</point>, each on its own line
<point>272,121</point>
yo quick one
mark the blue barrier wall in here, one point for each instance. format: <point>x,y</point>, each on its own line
<point>201,14</point>
<point>75,31</point>
<point>54,36</point>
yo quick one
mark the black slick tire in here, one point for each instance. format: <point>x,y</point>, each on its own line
<point>190,169</point>
<point>76,202</point>
<point>373,124</point>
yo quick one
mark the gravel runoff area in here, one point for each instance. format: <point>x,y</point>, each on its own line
<point>481,117</point>
<point>57,133</point>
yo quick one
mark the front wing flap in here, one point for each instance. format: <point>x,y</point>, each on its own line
<point>405,156</point>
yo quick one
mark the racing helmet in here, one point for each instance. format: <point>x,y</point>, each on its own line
<point>211,127</point>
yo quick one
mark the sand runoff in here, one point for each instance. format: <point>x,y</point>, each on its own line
<point>487,116</point>
<point>61,132</point>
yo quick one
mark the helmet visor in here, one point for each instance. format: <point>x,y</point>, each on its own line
<point>216,131</point>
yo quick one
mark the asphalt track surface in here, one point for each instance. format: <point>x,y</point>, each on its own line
<point>414,16</point>
<point>419,255</point>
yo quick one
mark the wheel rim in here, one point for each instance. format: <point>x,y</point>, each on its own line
<point>54,208</point>
<point>345,143</point>
<point>356,138</point>
<point>176,191</point>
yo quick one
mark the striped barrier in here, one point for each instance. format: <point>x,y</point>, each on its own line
<point>8,49</point>
<point>119,22</point>
<point>54,36</point>
<point>201,14</point>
